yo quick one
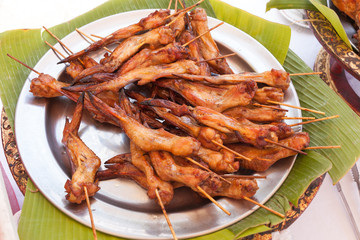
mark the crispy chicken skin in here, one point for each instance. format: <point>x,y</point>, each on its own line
<point>149,57</point>
<point>273,78</point>
<point>207,45</point>
<point>145,138</point>
<point>256,114</point>
<point>47,86</point>
<point>127,48</point>
<point>83,160</point>
<point>216,98</point>
<point>141,75</point>
<point>142,162</point>
<point>262,159</point>
<point>168,170</point>
<point>154,20</point>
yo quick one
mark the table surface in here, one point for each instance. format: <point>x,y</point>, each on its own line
<point>325,218</point>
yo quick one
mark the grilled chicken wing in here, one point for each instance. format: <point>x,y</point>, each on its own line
<point>142,75</point>
<point>207,45</point>
<point>216,98</point>
<point>274,78</point>
<point>262,159</point>
<point>256,114</point>
<point>145,138</point>
<point>245,130</point>
<point>154,20</point>
<point>148,57</point>
<point>127,48</point>
<point>84,161</point>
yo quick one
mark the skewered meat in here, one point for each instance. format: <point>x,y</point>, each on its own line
<point>195,53</point>
<point>158,36</point>
<point>263,95</point>
<point>207,45</point>
<point>256,114</point>
<point>238,189</point>
<point>148,57</point>
<point>142,75</point>
<point>216,98</point>
<point>140,161</point>
<point>204,135</point>
<point>145,138</point>
<point>274,78</point>
<point>84,161</point>
<point>154,20</point>
<point>280,129</point>
<point>245,130</point>
<point>123,169</point>
<point>168,170</point>
<point>220,162</point>
<point>177,24</point>
<point>47,86</point>
<point>77,66</point>
<point>262,159</point>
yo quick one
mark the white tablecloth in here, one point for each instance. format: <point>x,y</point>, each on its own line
<point>325,218</point>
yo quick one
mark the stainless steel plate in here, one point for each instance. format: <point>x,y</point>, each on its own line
<point>121,207</point>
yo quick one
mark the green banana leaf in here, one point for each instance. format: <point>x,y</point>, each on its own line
<point>41,220</point>
<point>317,5</point>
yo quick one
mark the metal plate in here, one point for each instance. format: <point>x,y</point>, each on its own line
<point>121,207</point>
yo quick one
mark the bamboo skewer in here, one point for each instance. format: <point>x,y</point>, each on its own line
<point>181,3</point>
<point>242,176</point>
<point>284,146</point>
<point>269,106</point>
<point>90,213</point>
<point>87,199</point>
<point>265,207</point>
<point>82,34</point>
<point>55,50</point>
<point>185,9</point>
<point>322,147</point>
<point>230,150</point>
<point>207,169</point>
<point>23,64</point>
<point>174,20</point>
<point>97,36</point>
<point>305,74</point>
<point>316,120</point>
<point>303,118</point>
<point>218,25</point>
<point>176,5</point>
<point>66,49</point>
<point>213,200</point>
<point>165,213</point>
<point>169,6</point>
<point>263,159</point>
<point>57,39</point>
<point>292,106</point>
<point>211,59</point>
